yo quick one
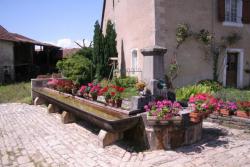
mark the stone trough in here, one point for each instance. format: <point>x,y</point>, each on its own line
<point>115,124</point>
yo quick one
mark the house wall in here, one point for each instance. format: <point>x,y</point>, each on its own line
<point>135,27</point>
<point>6,58</point>
<point>194,64</point>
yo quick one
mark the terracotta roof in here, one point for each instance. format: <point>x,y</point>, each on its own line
<point>14,37</point>
<point>5,35</point>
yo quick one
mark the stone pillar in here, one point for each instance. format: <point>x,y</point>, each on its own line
<point>108,138</point>
<point>153,67</point>
<point>53,109</point>
<point>68,117</point>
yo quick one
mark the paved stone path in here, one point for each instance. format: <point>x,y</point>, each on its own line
<point>31,137</point>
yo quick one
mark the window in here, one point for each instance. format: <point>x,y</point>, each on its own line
<point>134,60</point>
<point>233,11</point>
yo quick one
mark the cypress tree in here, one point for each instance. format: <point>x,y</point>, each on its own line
<point>97,49</point>
<point>109,47</point>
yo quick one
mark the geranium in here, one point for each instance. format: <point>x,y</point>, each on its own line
<point>231,106</point>
<point>204,102</point>
<point>94,90</point>
<point>52,83</point>
<point>64,85</point>
<point>116,92</point>
<point>163,109</point>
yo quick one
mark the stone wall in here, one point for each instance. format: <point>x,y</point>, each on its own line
<point>135,27</point>
<point>230,121</point>
<point>199,14</point>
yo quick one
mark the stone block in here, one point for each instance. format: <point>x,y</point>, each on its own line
<point>53,109</point>
<point>138,102</point>
<point>38,101</point>
<point>68,117</point>
<point>108,138</point>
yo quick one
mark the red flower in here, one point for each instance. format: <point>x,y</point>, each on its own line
<point>112,93</point>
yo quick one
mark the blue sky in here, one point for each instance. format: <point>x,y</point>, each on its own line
<point>55,21</point>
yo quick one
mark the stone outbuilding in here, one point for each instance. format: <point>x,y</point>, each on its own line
<point>22,58</point>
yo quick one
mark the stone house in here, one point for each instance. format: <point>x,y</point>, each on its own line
<point>146,23</point>
<point>22,58</point>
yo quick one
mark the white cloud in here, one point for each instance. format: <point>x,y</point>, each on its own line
<point>69,43</point>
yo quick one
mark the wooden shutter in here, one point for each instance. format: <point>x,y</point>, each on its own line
<point>246,12</point>
<point>221,10</point>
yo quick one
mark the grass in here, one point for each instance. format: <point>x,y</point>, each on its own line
<point>232,94</point>
<point>15,93</point>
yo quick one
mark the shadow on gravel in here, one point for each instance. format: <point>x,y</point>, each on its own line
<point>211,137</point>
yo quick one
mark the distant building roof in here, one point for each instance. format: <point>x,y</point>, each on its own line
<point>14,37</point>
<point>69,52</point>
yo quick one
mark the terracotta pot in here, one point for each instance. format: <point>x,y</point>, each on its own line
<point>118,103</point>
<point>195,117</point>
<point>242,114</point>
<point>225,112</point>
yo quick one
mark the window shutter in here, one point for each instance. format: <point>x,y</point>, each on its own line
<point>246,12</point>
<point>221,10</point>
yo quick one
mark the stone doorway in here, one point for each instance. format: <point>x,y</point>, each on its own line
<point>232,66</point>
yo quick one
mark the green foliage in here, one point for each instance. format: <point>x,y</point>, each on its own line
<point>183,94</point>
<point>86,52</point>
<point>204,36</point>
<point>182,33</point>
<point>127,82</point>
<point>109,48</point>
<point>15,93</point>
<point>231,94</point>
<point>104,48</point>
<point>76,68</point>
<point>214,85</point>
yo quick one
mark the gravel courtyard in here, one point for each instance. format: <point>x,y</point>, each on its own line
<point>31,137</point>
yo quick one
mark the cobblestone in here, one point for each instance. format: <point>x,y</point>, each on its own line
<point>29,136</point>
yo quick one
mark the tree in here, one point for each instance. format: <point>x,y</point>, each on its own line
<point>109,47</point>
<point>97,48</point>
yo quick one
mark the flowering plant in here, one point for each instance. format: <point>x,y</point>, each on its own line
<point>94,90</point>
<point>105,92</point>
<point>116,92</point>
<point>245,106</point>
<point>52,83</point>
<point>64,86</point>
<point>231,106</point>
<point>163,109</point>
<point>203,102</point>
<point>140,86</point>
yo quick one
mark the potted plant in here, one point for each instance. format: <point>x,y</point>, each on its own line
<point>163,110</point>
<point>140,87</point>
<point>243,109</point>
<point>116,96</point>
<point>94,91</point>
<point>52,83</point>
<point>228,108</point>
<point>202,105</point>
<point>106,93</point>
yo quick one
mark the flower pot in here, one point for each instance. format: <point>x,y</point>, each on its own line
<point>111,103</point>
<point>107,100</point>
<point>118,103</point>
<point>93,97</point>
<point>195,117</point>
<point>225,112</point>
<point>177,120</point>
<point>242,114</point>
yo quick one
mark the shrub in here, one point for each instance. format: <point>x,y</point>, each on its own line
<point>127,82</point>
<point>214,85</point>
<point>76,68</point>
<point>183,94</point>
